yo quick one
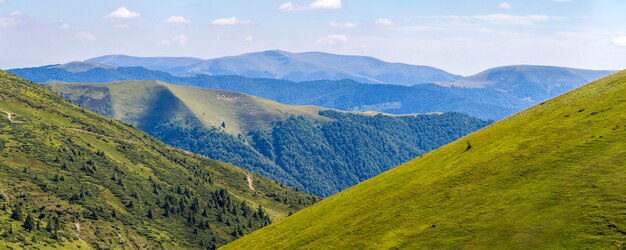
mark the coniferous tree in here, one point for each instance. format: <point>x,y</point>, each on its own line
<point>17,212</point>
<point>29,223</point>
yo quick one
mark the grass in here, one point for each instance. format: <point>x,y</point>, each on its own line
<point>58,160</point>
<point>132,101</point>
<point>550,177</point>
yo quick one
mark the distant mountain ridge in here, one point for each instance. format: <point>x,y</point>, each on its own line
<point>504,90</point>
<point>278,64</point>
<point>531,81</point>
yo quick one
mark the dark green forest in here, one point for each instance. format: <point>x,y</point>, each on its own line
<point>324,157</point>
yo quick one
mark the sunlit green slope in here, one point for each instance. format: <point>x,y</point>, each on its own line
<point>71,178</point>
<point>551,177</point>
<point>140,102</point>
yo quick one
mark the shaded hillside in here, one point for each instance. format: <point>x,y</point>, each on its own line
<point>551,177</point>
<point>71,178</point>
<point>313,149</point>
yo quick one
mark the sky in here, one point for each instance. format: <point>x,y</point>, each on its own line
<point>462,37</point>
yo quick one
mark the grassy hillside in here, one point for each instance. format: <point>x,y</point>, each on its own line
<point>130,101</point>
<point>316,150</point>
<point>551,177</point>
<point>70,178</point>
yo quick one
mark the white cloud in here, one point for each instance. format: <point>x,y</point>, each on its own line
<point>177,40</point>
<point>619,41</point>
<point>505,5</point>
<point>229,21</point>
<point>177,20</point>
<point>123,13</point>
<point>502,18</point>
<point>316,5</point>
<point>11,19</point>
<point>248,39</point>
<point>121,26</point>
<point>85,36</point>
<point>343,24</point>
<point>383,22</point>
<point>331,40</point>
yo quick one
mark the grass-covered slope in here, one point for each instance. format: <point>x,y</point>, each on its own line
<point>70,178</point>
<point>138,102</point>
<point>307,147</point>
<point>550,177</point>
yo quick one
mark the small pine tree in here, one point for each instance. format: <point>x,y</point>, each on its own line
<point>29,223</point>
<point>49,225</point>
<point>150,213</point>
<point>17,213</point>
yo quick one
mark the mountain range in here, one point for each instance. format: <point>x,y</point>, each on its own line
<point>73,179</point>
<point>492,94</point>
<point>311,148</point>
<point>549,177</point>
<point>277,64</point>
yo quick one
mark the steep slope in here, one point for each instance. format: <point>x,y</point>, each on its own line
<point>71,178</point>
<point>495,101</point>
<point>551,177</point>
<point>311,148</point>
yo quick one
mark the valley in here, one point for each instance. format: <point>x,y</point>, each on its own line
<point>312,124</point>
<point>310,148</point>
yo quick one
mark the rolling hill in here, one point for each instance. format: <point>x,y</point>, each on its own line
<point>277,64</point>
<point>311,148</point>
<point>532,82</point>
<point>493,94</point>
<point>550,177</point>
<point>70,178</point>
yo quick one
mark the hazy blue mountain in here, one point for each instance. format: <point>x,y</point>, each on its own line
<point>279,64</point>
<point>168,64</point>
<point>533,83</point>
<point>79,66</point>
<point>494,95</point>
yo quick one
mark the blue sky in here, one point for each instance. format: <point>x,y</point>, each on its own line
<point>462,37</point>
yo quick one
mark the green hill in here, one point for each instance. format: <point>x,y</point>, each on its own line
<point>313,149</point>
<point>70,178</point>
<point>550,177</point>
<point>137,102</point>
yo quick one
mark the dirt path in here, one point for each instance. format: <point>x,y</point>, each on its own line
<point>10,116</point>
<point>250,180</point>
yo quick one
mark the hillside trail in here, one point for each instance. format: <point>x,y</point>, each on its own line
<point>10,116</point>
<point>250,179</point>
